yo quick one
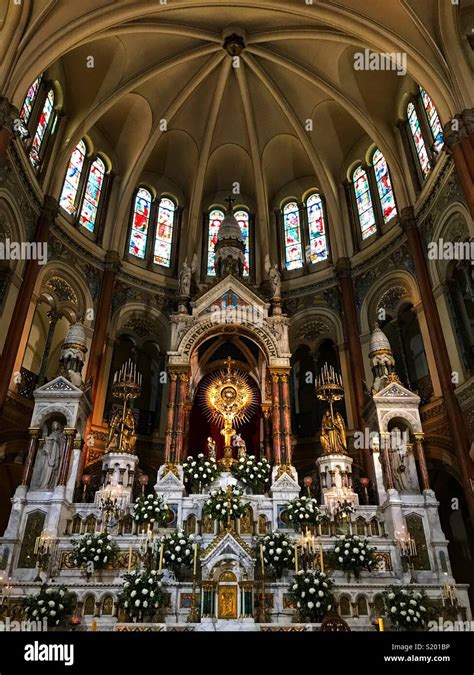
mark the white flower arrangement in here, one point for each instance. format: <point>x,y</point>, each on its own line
<point>200,471</point>
<point>253,472</point>
<point>142,593</point>
<point>302,512</point>
<point>94,552</point>
<point>53,604</point>
<point>178,551</point>
<point>352,553</point>
<point>311,592</point>
<point>278,552</point>
<point>225,505</point>
<point>151,509</point>
<point>406,608</point>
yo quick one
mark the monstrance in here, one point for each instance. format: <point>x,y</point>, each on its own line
<point>228,399</point>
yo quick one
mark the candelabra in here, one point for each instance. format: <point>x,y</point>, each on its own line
<point>329,386</point>
<point>342,513</point>
<point>110,509</point>
<point>333,432</point>
<point>42,550</point>
<point>449,599</point>
<point>310,553</point>
<point>5,591</point>
<point>126,387</point>
<point>407,549</point>
<point>148,548</point>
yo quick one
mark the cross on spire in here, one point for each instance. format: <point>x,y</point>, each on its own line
<point>229,363</point>
<point>230,200</point>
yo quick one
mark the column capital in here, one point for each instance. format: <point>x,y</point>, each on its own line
<point>112,262</point>
<point>69,431</point>
<point>468,119</point>
<point>8,114</point>
<point>343,268</point>
<point>408,218</point>
<point>34,432</point>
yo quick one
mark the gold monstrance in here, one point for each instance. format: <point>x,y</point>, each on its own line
<point>333,433</point>
<point>228,399</point>
<point>127,385</point>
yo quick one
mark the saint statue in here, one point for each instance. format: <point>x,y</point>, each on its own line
<point>239,443</point>
<point>333,434</point>
<point>185,279</point>
<point>211,448</point>
<point>49,459</point>
<point>122,437</point>
<point>275,281</point>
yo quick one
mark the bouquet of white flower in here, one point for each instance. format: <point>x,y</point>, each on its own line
<point>277,552</point>
<point>151,509</point>
<point>94,552</point>
<point>406,608</point>
<point>302,512</point>
<point>253,472</point>
<point>178,551</point>
<point>311,592</point>
<point>142,593</point>
<point>200,471</point>
<point>53,604</point>
<point>353,554</point>
<point>225,505</point>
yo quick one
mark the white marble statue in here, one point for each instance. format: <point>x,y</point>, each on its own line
<point>239,443</point>
<point>211,448</point>
<point>185,279</point>
<point>49,459</point>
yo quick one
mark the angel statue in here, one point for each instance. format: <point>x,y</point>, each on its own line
<point>274,277</point>
<point>333,434</point>
<point>185,277</point>
<point>211,448</point>
<point>239,443</point>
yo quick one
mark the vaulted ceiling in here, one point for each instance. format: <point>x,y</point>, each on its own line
<point>290,114</point>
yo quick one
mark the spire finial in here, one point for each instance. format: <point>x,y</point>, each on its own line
<point>231,200</point>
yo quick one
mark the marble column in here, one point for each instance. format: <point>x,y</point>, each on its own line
<point>457,424</point>
<point>266,411</point>
<point>182,397</point>
<point>351,333</point>
<point>459,145</point>
<point>70,434</point>
<point>53,320</point>
<point>8,115</point>
<point>276,412</point>
<point>286,416</point>
<point>171,416</point>
<point>48,213</point>
<point>420,455</point>
<point>31,456</point>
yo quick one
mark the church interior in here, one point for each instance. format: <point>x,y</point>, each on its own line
<point>236,314</point>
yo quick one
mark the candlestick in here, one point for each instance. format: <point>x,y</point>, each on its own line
<point>129,558</point>
<point>296,558</point>
<point>160,564</point>
<point>381,624</point>
<point>195,559</point>
<point>262,561</point>
<point>321,558</point>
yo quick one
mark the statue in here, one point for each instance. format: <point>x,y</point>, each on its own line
<point>122,436</point>
<point>211,448</point>
<point>333,434</point>
<point>275,281</point>
<point>49,459</point>
<point>185,279</point>
<point>239,443</point>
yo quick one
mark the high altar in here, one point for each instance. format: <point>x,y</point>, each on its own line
<point>229,588</point>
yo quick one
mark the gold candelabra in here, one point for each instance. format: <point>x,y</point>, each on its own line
<point>126,386</point>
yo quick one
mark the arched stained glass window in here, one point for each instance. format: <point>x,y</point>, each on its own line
<point>433,120</point>
<point>216,216</point>
<point>28,103</point>
<point>44,121</point>
<point>384,186</point>
<point>67,200</point>
<point>140,223</point>
<point>364,203</point>
<point>418,140</point>
<point>90,204</point>
<point>242,218</point>
<point>317,228</point>
<point>164,232</point>
<point>292,229</point>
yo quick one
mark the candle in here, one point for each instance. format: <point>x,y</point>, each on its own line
<point>381,624</point>
<point>129,558</point>
<point>36,545</point>
<point>321,557</point>
<point>94,626</point>
<point>195,559</point>
<point>262,561</point>
<point>160,565</point>
<point>296,558</point>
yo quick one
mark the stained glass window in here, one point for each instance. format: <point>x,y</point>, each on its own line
<point>140,223</point>
<point>433,119</point>
<point>384,186</point>
<point>164,232</point>
<point>29,101</point>
<point>90,204</point>
<point>68,196</point>
<point>216,216</point>
<point>364,203</point>
<point>420,146</point>
<point>293,248</point>
<point>242,218</point>
<point>317,229</point>
<point>41,129</point>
